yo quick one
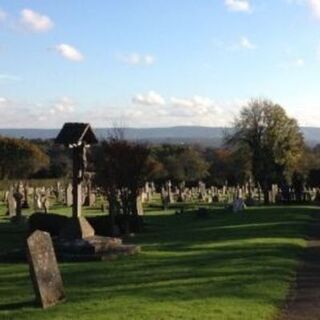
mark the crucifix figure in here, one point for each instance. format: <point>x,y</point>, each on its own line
<point>78,137</point>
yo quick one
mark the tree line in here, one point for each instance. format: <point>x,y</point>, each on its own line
<point>264,145</point>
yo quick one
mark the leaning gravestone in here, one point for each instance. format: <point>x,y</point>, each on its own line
<point>44,271</point>
<point>238,205</point>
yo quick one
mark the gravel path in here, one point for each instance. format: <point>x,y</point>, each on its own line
<point>303,302</point>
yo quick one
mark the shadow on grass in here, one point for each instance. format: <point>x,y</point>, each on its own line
<point>17,305</point>
<point>187,257</point>
<point>250,257</point>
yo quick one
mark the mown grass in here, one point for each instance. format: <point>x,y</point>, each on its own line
<point>224,267</point>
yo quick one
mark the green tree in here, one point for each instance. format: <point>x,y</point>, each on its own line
<point>272,140</point>
<point>192,165</point>
<point>179,163</point>
<point>20,158</point>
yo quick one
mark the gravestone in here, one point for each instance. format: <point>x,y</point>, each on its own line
<point>44,271</point>
<point>37,205</point>
<point>90,199</point>
<point>238,205</point>
<point>5,196</point>
<point>58,191</point>
<point>68,196</point>
<point>45,203</point>
<point>11,203</point>
<point>139,205</point>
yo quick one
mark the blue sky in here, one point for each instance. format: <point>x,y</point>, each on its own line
<point>151,63</point>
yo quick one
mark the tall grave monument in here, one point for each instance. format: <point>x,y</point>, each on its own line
<point>77,137</point>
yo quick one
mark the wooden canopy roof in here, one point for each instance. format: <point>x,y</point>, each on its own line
<point>75,133</point>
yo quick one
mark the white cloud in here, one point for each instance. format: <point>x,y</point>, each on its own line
<point>149,99</point>
<point>9,77</point>
<point>63,105</point>
<point>3,15</point>
<point>133,58</point>
<point>149,59</point>
<point>242,43</point>
<point>17,114</point>
<point>246,43</point>
<point>35,21</point>
<point>3,101</point>
<point>194,106</point>
<point>69,52</point>
<point>299,62</point>
<point>197,110</point>
<point>315,7</point>
<point>293,63</point>
<point>238,5</point>
<point>138,59</point>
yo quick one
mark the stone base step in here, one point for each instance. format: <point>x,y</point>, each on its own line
<point>108,255</point>
<point>91,245</point>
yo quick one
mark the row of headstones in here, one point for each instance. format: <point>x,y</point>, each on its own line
<point>18,198</point>
<point>119,207</point>
<point>147,193</point>
<point>88,196</point>
<point>227,194</point>
<point>180,193</point>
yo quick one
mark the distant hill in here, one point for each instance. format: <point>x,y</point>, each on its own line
<point>207,136</point>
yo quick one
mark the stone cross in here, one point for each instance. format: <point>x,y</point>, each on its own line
<point>77,137</point>
<point>44,271</point>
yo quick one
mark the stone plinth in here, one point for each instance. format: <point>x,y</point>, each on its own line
<point>93,249</point>
<point>77,228</point>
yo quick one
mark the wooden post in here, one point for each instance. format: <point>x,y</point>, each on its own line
<point>76,193</point>
<point>78,172</point>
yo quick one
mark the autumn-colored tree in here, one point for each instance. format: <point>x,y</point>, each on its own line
<point>121,170</point>
<point>20,158</point>
<point>227,166</point>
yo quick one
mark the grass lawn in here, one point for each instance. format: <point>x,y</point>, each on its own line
<point>224,267</point>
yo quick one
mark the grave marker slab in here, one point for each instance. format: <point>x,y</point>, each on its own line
<point>44,270</point>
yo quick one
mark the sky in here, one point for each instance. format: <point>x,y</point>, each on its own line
<point>155,63</point>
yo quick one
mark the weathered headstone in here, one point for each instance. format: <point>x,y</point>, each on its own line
<point>37,205</point>
<point>44,270</point>
<point>139,205</point>
<point>90,199</point>
<point>11,203</point>
<point>5,196</point>
<point>57,191</point>
<point>68,196</point>
<point>238,205</point>
<point>25,202</point>
<point>45,203</point>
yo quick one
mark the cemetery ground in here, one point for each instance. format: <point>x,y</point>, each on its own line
<point>224,266</point>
